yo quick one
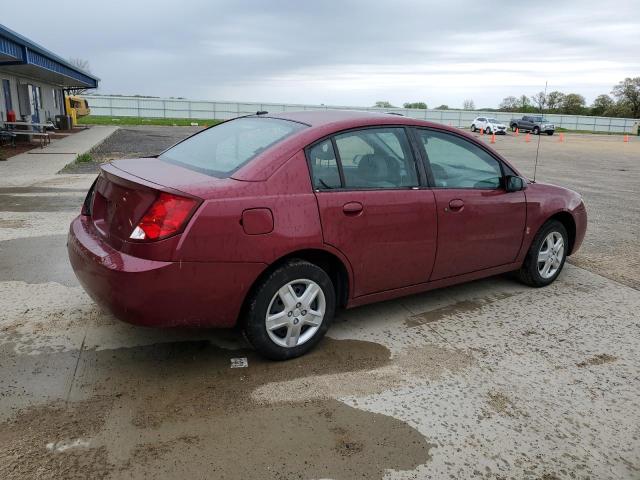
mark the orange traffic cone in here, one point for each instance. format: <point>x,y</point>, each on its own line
<point>527,138</point>
<point>482,131</point>
<point>517,132</point>
<point>561,139</point>
<point>493,138</point>
<point>626,139</point>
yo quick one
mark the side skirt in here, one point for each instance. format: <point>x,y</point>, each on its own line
<point>424,287</point>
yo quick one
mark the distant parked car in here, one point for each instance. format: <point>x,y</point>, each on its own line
<point>274,221</point>
<point>533,123</point>
<point>489,125</point>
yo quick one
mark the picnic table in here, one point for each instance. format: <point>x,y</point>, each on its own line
<point>11,133</point>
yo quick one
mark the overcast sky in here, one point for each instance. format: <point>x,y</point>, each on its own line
<point>344,52</point>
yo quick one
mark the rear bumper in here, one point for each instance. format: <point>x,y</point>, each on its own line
<point>156,293</point>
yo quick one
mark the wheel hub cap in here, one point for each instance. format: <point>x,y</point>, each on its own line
<point>295,313</point>
<point>550,255</point>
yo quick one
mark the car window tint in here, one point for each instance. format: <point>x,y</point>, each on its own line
<point>457,163</point>
<point>324,167</point>
<point>377,158</point>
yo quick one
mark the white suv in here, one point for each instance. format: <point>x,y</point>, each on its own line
<point>489,125</point>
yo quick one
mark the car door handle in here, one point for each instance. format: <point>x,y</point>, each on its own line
<point>352,208</point>
<point>456,205</point>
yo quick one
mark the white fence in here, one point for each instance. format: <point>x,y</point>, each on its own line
<point>116,106</point>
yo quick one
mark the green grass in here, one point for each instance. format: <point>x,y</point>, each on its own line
<point>105,120</point>
<point>84,158</point>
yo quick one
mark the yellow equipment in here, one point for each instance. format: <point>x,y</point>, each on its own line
<point>76,107</point>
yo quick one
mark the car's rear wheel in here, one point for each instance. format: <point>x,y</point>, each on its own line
<point>550,132</point>
<point>514,127</point>
<point>290,311</point>
<point>546,256</point>
<point>536,131</point>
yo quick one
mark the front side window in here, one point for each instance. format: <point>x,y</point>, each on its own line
<point>457,163</point>
<point>377,158</point>
<point>221,150</point>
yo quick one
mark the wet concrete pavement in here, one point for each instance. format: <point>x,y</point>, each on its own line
<point>485,380</point>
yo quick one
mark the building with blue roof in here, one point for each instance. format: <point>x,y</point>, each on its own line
<point>34,79</point>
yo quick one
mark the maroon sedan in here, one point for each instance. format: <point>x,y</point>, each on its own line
<point>273,222</point>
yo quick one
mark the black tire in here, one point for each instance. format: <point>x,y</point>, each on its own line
<point>255,328</point>
<point>550,133</point>
<point>473,127</point>
<point>514,127</point>
<point>529,272</point>
<point>488,131</point>
<point>536,131</point>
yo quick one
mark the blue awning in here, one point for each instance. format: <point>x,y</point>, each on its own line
<point>21,56</point>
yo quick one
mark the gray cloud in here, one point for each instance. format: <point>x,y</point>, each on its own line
<point>349,52</point>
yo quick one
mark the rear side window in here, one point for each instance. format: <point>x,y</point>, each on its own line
<point>324,166</point>
<point>221,150</point>
<point>377,158</point>
<point>457,163</point>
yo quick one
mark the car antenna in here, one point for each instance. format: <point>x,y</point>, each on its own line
<point>261,112</point>
<point>535,167</point>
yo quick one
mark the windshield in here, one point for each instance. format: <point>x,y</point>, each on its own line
<point>493,120</point>
<point>221,150</point>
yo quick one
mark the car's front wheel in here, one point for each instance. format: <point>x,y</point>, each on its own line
<point>550,132</point>
<point>546,256</point>
<point>290,311</point>
<point>536,131</point>
<point>473,127</point>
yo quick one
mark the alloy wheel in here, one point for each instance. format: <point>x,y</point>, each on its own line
<point>550,255</point>
<point>295,313</point>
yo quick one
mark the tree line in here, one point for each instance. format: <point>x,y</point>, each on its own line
<point>624,101</point>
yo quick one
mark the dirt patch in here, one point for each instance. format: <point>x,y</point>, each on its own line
<point>502,404</point>
<point>23,441</point>
<point>178,409</point>
<point>425,363</point>
<point>15,223</point>
<point>458,308</point>
<point>597,360</point>
<point>132,142</point>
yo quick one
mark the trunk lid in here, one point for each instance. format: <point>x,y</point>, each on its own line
<point>126,189</point>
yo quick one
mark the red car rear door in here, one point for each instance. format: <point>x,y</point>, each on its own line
<point>373,208</point>
<point>480,224</point>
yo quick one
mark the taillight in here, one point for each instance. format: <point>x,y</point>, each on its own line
<point>165,217</point>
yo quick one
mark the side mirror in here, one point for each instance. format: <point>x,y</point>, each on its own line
<point>513,183</point>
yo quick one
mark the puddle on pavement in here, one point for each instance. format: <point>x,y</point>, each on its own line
<point>36,260</point>
<point>186,394</point>
<point>40,190</point>
<point>325,439</point>
<point>457,308</point>
<point>41,203</point>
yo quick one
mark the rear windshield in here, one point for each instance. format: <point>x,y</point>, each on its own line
<point>221,150</point>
